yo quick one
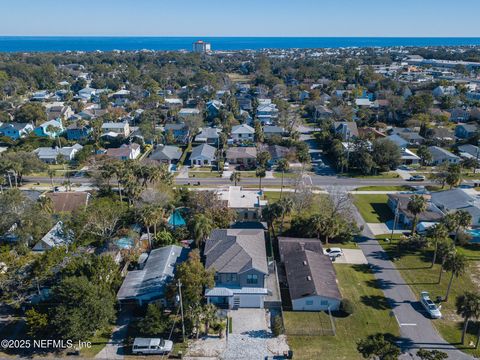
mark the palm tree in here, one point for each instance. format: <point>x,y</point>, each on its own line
<point>202,227</point>
<point>286,204</point>
<point>325,225</point>
<point>416,205</point>
<point>270,213</point>
<point>464,219</point>
<point>444,249</point>
<point>456,264</point>
<point>235,177</point>
<point>147,216</point>
<point>435,234</point>
<point>46,204</point>
<point>468,306</point>
<point>209,315</point>
<point>260,173</point>
<point>51,174</point>
<point>282,165</point>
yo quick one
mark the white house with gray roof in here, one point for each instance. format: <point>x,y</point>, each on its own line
<point>57,236</point>
<point>440,156</point>
<point>239,259</point>
<point>167,154</point>
<point>203,155</point>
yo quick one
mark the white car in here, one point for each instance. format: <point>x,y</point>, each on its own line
<point>432,309</point>
<point>333,252</point>
<point>151,346</point>
<point>226,166</point>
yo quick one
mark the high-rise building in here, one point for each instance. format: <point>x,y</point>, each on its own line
<point>201,46</point>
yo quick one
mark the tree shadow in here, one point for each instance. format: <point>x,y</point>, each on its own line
<point>377,302</point>
<point>383,211</point>
<point>380,284</point>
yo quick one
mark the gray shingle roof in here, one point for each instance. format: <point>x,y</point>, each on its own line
<point>167,152</point>
<point>203,150</point>
<point>452,199</point>
<point>309,271</point>
<point>236,251</point>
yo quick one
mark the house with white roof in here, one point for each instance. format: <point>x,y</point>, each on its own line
<point>243,132</point>
<point>247,203</point>
<point>51,155</point>
<point>119,128</point>
<point>57,236</point>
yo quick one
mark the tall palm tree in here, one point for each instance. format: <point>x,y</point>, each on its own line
<point>270,213</point>
<point>416,205</point>
<point>282,165</point>
<point>209,315</point>
<point>147,216</point>
<point>435,234</point>
<point>260,173</point>
<point>456,264</point>
<point>235,177</point>
<point>286,204</point>
<point>325,225</point>
<point>464,219</point>
<point>202,227</point>
<point>51,174</point>
<point>468,306</point>
<point>445,248</point>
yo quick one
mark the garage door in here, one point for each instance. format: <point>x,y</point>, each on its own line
<point>250,301</point>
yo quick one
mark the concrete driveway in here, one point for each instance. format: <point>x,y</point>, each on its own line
<point>351,256</point>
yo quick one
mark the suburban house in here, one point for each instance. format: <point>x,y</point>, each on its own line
<point>266,112</point>
<point>441,91</point>
<point>15,131</point>
<point>405,217</point>
<point>209,136</point>
<point>272,130</point>
<point>277,152</point>
<point>203,155</point>
<point>149,283</point>
<point>440,156</point>
<point>213,108</point>
<point>51,129</point>
<point>86,93</point>
<point>59,110</point>
<point>465,131</point>
<point>42,95</point>
<point>457,199</point>
<point>246,203</point>
<point>57,236</point>
<point>410,135</point>
<point>459,115</point>
<point>469,151</point>
<point>68,201</point>
<point>240,261</point>
<point>52,155</point>
<point>172,102</point>
<point>246,156</point>
<point>180,132</point>
<point>242,133</point>
<point>114,129</point>
<point>125,152</point>
<point>166,154</point>
<point>188,113</point>
<point>78,132</point>
<point>346,129</point>
<point>311,277</point>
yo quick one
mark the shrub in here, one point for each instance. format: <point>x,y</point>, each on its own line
<point>346,306</point>
<point>277,328</point>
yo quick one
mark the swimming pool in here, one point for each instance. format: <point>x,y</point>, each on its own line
<point>125,243</point>
<point>475,233</point>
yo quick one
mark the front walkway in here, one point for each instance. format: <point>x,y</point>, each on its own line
<point>114,350</point>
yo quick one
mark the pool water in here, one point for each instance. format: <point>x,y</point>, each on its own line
<point>475,233</point>
<point>125,243</point>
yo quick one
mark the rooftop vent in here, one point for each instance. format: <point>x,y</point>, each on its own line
<point>309,278</point>
<point>305,263</point>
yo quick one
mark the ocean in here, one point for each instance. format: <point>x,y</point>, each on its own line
<point>77,43</point>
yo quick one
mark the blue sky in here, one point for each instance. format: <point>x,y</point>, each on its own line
<point>241,17</point>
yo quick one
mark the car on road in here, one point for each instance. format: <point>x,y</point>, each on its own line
<point>417,178</point>
<point>333,252</point>
<point>151,346</point>
<point>432,309</point>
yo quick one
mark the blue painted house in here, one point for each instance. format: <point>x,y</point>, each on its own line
<point>51,129</point>
<point>75,132</point>
<point>15,131</point>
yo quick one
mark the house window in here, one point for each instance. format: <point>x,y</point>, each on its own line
<point>233,277</point>
<point>324,302</point>
<point>252,279</point>
<point>309,302</point>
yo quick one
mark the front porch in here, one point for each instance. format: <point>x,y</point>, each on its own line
<point>234,298</point>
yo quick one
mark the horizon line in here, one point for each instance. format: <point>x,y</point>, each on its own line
<point>253,37</point>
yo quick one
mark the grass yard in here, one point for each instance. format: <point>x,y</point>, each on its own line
<point>287,175</point>
<point>203,174</point>
<point>371,315</point>
<point>98,343</point>
<point>416,271</point>
<point>385,188</point>
<point>373,208</point>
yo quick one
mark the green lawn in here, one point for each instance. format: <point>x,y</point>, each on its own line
<point>98,343</point>
<point>371,315</point>
<point>385,188</point>
<point>416,271</point>
<point>385,175</point>
<point>273,196</point>
<point>373,208</point>
<point>287,175</point>
<point>203,174</point>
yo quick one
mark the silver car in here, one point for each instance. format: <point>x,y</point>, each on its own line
<point>432,309</point>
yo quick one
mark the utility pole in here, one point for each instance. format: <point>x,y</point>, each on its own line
<point>181,308</point>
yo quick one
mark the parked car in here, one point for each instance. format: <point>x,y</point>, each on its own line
<point>226,166</point>
<point>432,309</point>
<point>333,252</point>
<point>151,346</point>
<point>417,178</point>
<point>404,167</point>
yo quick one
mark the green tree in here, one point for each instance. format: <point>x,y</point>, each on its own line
<point>37,323</point>
<point>154,323</point>
<point>456,264</point>
<point>416,205</point>
<point>282,166</point>
<point>260,173</point>
<point>436,234</point>
<point>81,308</point>
<point>32,113</point>
<point>235,177</point>
<point>386,154</point>
<point>378,347</point>
<point>454,175</point>
<point>424,354</point>
<point>202,227</point>
<point>424,155</point>
<point>468,307</point>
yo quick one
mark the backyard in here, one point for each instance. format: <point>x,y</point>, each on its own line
<point>371,315</point>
